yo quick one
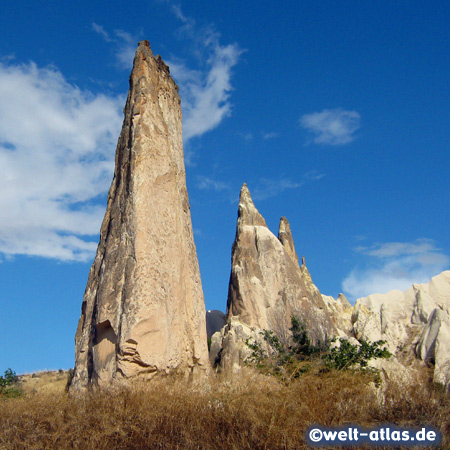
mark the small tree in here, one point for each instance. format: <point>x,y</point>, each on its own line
<point>9,384</point>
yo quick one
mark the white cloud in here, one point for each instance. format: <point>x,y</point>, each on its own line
<point>57,145</point>
<point>394,265</point>
<point>56,156</point>
<point>207,183</point>
<point>124,43</point>
<point>205,95</point>
<point>270,135</point>
<point>271,188</point>
<point>247,137</point>
<point>102,32</point>
<point>332,126</point>
<point>267,188</point>
<point>205,92</point>
<point>313,175</point>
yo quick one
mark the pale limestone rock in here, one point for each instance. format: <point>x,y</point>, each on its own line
<point>143,311</point>
<point>340,311</point>
<point>434,345</point>
<point>267,288</point>
<point>229,345</point>
<point>412,322</point>
<point>285,237</point>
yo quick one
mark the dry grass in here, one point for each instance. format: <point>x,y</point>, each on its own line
<point>49,381</point>
<point>254,412</point>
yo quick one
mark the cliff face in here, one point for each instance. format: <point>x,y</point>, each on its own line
<point>267,288</point>
<point>143,310</point>
<point>413,323</point>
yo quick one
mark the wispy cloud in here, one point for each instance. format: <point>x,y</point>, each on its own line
<point>205,91</point>
<point>124,45</point>
<point>267,188</point>
<point>332,126</point>
<point>56,157</point>
<point>394,265</point>
<point>313,175</point>
<point>247,137</point>
<point>270,135</point>
<point>207,184</point>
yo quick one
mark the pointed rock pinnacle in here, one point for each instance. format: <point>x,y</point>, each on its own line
<point>143,311</point>
<point>247,213</point>
<point>285,237</point>
<point>266,287</point>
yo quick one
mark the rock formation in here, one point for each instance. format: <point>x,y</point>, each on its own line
<point>215,320</point>
<point>267,288</point>
<point>414,322</point>
<point>143,311</point>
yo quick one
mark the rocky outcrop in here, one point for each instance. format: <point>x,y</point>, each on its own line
<point>340,312</point>
<point>143,310</point>
<point>267,288</point>
<point>285,237</point>
<point>434,345</point>
<point>215,320</point>
<point>414,322</point>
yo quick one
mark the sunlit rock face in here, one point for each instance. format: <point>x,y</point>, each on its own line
<point>414,322</point>
<point>267,288</point>
<point>143,311</point>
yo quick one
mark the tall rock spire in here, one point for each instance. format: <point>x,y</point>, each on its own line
<point>266,289</point>
<point>250,225</point>
<point>143,311</point>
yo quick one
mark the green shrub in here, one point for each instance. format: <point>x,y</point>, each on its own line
<point>9,384</point>
<point>347,355</point>
<point>291,361</point>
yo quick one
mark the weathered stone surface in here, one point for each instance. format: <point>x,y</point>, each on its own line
<point>229,348</point>
<point>340,312</point>
<point>412,322</point>
<point>267,288</point>
<point>143,311</point>
<point>434,345</point>
<point>215,320</point>
<point>285,237</point>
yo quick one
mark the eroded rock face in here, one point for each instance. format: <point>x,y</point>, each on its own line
<point>267,288</point>
<point>414,322</point>
<point>434,345</point>
<point>340,311</point>
<point>215,320</point>
<point>285,237</point>
<point>143,311</point>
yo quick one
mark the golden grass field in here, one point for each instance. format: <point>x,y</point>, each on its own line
<point>252,412</point>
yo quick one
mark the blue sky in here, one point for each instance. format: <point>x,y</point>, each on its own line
<point>336,115</point>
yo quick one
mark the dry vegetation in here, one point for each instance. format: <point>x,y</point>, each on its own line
<point>49,381</point>
<point>254,412</point>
